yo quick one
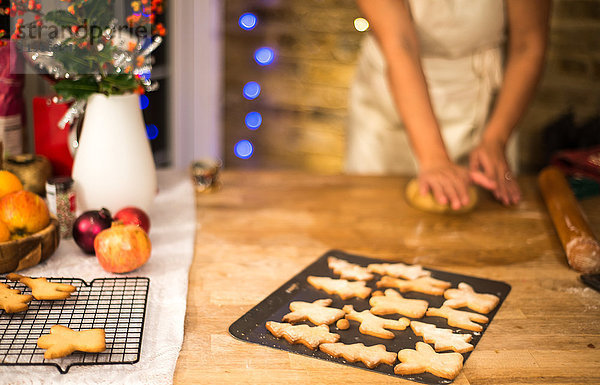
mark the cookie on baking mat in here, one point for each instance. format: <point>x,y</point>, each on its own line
<point>342,324</point>
<point>316,312</point>
<point>41,289</point>
<point>345,289</point>
<point>373,325</point>
<point>309,336</point>
<point>425,285</point>
<point>391,302</point>
<point>459,318</point>
<point>398,270</point>
<point>465,296</point>
<point>12,301</point>
<point>443,339</point>
<point>347,270</point>
<point>371,356</point>
<point>424,359</point>
<point>63,341</point>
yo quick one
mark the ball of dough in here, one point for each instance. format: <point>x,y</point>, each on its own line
<point>430,204</point>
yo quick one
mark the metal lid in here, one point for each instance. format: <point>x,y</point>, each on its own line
<point>61,184</point>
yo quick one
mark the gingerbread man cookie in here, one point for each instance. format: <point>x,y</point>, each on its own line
<point>12,301</point>
<point>371,356</point>
<point>425,285</point>
<point>443,339</point>
<point>309,336</point>
<point>345,289</point>
<point>63,341</point>
<point>459,318</point>
<point>424,359</point>
<point>398,270</point>
<point>393,303</point>
<point>42,289</point>
<point>316,312</point>
<point>465,296</point>
<point>373,325</point>
<point>347,270</point>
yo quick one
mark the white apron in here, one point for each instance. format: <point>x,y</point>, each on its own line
<point>461,44</point>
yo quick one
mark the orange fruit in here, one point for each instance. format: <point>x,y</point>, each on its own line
<point>4,232</point>
<point>24,212</point>
<point>9,183</point>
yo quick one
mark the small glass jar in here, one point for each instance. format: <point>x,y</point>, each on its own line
<point>61,203</point>
<point>205,175</point>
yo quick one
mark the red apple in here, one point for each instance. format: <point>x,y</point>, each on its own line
<point>122,248</point>
<point>133,216</point>
<point>24,212</point>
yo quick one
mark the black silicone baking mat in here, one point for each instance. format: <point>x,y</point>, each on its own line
<point>251,326</point>
<point>117,305</point>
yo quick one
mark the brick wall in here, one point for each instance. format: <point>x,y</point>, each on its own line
<point>303,100</point>
<point>304,93</point>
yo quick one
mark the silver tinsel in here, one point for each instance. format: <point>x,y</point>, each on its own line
<point>73,113</point>
<point>124,59</point>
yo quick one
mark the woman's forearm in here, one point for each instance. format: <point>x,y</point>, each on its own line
<point>528,21</point>
<point>393,29</point>
<point>412,101</point>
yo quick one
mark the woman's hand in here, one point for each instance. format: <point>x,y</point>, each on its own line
<point>447,182</point>
<point>489,169</point>
<point>527,35</point>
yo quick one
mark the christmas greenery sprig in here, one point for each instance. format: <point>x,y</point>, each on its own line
<point>88,52</point>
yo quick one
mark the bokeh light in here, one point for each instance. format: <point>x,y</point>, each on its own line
<point>144,102</point>
<point>248,21</point>
<point>151,131</point>
<point>264,56</point>
<point>361,24</point>
<point>243,149</point>
<point>251,90</point>
<point>253,120</point>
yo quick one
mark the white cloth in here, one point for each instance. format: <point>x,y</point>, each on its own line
<point>172,235</point>
<point>461,56</point>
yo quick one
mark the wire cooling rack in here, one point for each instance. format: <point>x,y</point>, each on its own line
<point>117,305</point>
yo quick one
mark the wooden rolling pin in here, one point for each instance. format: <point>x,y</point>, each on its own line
<point>578,240</point>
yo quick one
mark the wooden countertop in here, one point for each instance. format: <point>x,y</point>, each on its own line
<point>263,227</point>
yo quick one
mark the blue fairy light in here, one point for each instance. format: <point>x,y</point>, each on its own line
<point>144,102</point>
<point>248,21</point>
<point>243,149</point>
<point>264,56</point>
<point>151,131</point>
<point>253,120</point>
<point>251,90</point>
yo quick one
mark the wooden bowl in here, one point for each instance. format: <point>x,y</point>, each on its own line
<point>29,251</point>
